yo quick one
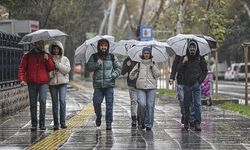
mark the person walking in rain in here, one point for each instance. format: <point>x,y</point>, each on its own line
<point>59,79</point>
<point>106,68</point>
<point>127,66</point>
<point>194,70</point>
<point>34,70</point>
<point>179,88</point>
<point>146,73</point>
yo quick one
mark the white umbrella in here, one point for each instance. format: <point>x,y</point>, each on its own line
<point>179,44</point>
<point>123,46</point>
<point>160,51</point>
<point>45,35</point>
<point>89,47</point>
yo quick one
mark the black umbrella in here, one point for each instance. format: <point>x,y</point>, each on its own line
<point>211,41</point>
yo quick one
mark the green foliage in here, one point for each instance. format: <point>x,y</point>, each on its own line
<point>167,92</point>
<point>242,109</point>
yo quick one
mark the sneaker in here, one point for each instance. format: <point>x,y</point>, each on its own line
<point>133,123</point>
<point>182,120</point>
<point>142,126</point>
<point>148,129</point>
<point>192,124</point>
<point>33,128</point>
<point>63,126</point>
<point>42,127</point>
<point>108,126</point>
<point>56,127</point>
<point>98,122</point>
<point>197,127</point>
<point>186,126</point>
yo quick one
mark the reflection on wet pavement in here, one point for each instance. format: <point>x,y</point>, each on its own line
<point>221,130</point>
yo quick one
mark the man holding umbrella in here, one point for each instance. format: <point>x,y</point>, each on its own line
<point>106,69</point>
<point>193,67</point>
<point>34,70</point>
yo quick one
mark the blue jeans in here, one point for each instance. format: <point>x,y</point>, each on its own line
<point>55,92</point>
<point>194,92</point>
<point>133,100</point>
<point>146,105</point>
<point>180,97</point>
<point>34,91</point>
<point>99,94</point>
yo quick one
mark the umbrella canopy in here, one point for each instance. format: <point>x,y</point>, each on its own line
<point>179,44</point>
<point>123,46</point>
<point>160,51</point>
<point>89,47</point>
<point>45,35</point>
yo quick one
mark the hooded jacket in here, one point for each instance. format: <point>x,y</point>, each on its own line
<point>34,68</point>
<point>195,69</point>
<point>62,67</point>
<point>104,74</point>
<point>147,74</point>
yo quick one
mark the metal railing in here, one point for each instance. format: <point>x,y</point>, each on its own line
<point>10,57</point>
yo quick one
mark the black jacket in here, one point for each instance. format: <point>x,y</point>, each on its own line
<point>127,69</point>
<point>179,77</point>
<point>194,70</point>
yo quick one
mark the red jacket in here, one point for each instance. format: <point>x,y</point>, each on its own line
<point>34,68</point>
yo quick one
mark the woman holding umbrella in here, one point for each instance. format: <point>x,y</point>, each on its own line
<point>147,72</point>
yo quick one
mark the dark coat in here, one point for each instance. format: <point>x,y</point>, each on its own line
<point>179,77</point>
<point>195,69</point>
<point>127,69</point>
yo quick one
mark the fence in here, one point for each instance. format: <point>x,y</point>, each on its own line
<point>10,56</point>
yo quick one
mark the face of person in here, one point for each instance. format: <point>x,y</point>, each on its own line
<point>39,44</point>
<point>146,54</point>
<point>103,46</point>
<point>56,50</point>
<point>192,50</point>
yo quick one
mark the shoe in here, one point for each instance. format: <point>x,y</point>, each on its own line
<point>182,119</point>
<point>133,124</point>
<point>142,127</point>
<point>148,129</point>
<point>98,121</point>
<point>108,126</point>
<point>56,127</point>
<point>63,126</point>
<point>33,128</point>
<point>42,127</point>
<point>192,124</point>
<point>197,127</point>
<point>186,126</point>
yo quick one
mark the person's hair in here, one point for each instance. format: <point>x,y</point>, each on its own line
<point>52,51</point>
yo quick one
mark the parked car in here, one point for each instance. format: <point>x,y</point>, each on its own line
<point>222,68</point>
<point>231,72</point>
<point>241,71</point>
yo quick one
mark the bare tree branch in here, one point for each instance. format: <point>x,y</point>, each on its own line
<point>142,11</point>
<point>157,13</point>
<point>132,27</point>
<point>48,13</point>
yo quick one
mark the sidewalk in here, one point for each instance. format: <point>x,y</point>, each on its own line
<point>220,129</point>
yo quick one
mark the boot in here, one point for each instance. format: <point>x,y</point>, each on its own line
<point>197,127</point>
<point>98,121</point>
<point>133,121</point>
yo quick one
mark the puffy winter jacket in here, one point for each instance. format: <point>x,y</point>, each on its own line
<point>62,67</point>
<point>148,74</point>
<point>104,74</point>
<point>34,68</point>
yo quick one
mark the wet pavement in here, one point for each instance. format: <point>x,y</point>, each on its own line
<point>220,129</point>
